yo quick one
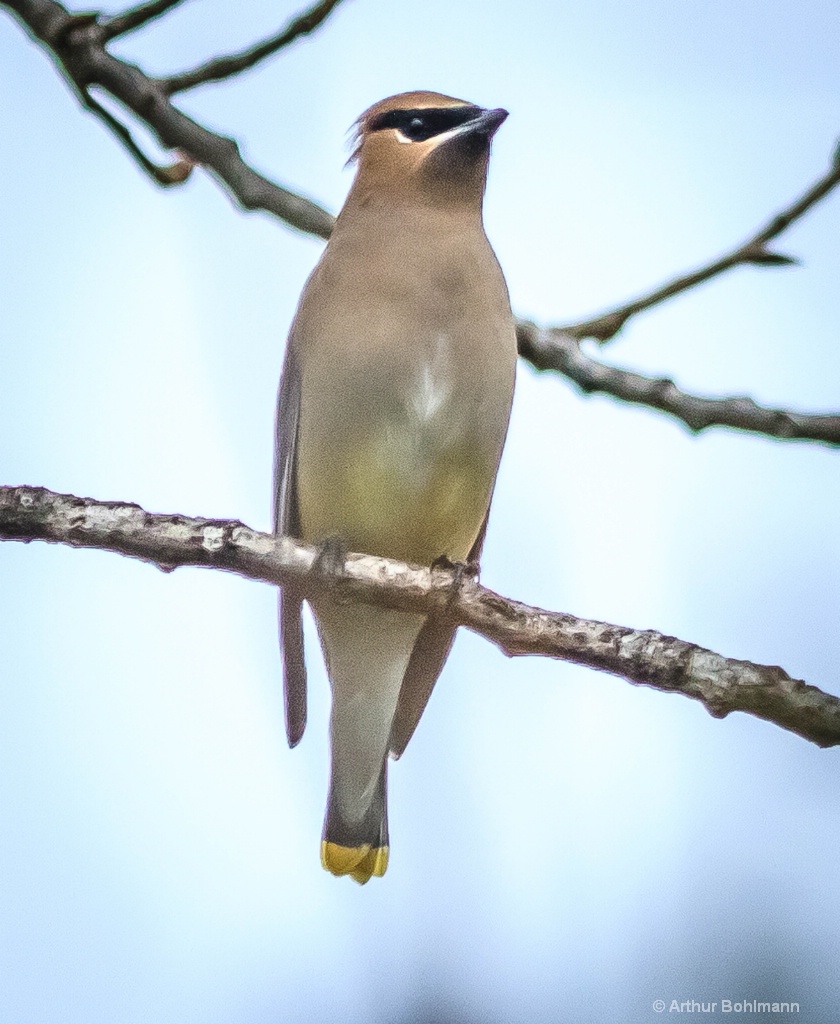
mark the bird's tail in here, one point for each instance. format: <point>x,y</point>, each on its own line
<point>367,651</point>
<point>358,848</point>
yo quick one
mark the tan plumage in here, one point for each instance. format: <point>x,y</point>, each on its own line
<point>393,410</point>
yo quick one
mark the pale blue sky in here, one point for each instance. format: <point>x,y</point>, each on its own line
<point>564,846</point>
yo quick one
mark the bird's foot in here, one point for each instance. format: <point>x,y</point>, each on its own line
<point>331,557</point>
<point>460,572</point>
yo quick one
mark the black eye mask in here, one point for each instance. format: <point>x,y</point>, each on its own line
<point>424,123</point>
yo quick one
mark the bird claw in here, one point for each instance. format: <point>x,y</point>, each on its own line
<point>331,557</point>
<point>460,573</point>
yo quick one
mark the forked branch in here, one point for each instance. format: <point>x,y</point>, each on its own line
<point>754,251</point>
<point>77,43</point>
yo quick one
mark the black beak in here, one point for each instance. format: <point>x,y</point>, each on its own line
<point>487,123</point>
<point>467,145</point>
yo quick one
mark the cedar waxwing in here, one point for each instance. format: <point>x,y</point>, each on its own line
<point>392,414</point>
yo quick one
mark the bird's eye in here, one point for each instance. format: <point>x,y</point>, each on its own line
<point>416,129</point>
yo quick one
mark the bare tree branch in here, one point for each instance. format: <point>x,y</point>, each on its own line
<point>642,657</point>
<point>753,251</point>
<point>135,18</point>
<point>77,44</point>
<point>552,348</point>
<point>224,67</point>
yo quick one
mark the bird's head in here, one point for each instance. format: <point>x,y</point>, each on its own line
<point>426,146</point>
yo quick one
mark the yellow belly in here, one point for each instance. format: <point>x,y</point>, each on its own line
<point>399,495</point>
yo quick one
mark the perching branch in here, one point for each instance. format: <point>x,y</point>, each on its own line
<point>642,657</point>
<point>753,251</point>
<point>77,43</point>
<point>224,67</point>
<point>554,349</point>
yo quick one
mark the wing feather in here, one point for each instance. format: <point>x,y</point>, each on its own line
<point>287,523</point>
<point>431,650</point>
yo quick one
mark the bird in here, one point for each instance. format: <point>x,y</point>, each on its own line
<point>393,409</point>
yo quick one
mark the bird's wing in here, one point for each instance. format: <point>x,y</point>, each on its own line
<point>287,523</point>
<point>431,650</point>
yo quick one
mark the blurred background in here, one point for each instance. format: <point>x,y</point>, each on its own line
<point>564,846</point>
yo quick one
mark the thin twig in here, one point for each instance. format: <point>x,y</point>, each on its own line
<point>554,349</point>
<point>173,174</point>
<point>224,67</point>
<point>753,251</point>
<point>135,18</point>
<point>643,657</point>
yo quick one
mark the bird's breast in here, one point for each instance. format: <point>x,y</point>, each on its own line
<point>408,456</point>
<point>407,356</point>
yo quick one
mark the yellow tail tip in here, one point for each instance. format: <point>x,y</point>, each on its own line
<point>360,862</point>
